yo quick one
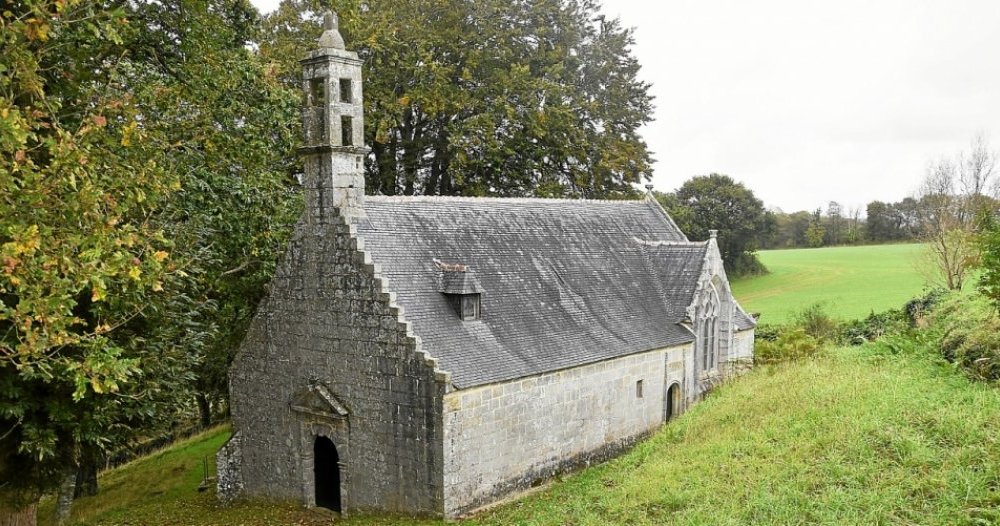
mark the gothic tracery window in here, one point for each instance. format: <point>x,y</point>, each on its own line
<point>709,332</point>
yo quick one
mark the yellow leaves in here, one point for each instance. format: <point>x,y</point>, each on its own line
<point>98,294</point>
<point>135,273</point>
<point>160,255</point>
<point>101,370</point>
<point>24,243</point>
<point>37,29</point>
<point>128,133</point>
<point>158,286</point>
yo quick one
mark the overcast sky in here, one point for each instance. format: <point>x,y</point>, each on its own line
<point>808,101</point>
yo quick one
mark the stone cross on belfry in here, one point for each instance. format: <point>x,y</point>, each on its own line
<point>331,34</point>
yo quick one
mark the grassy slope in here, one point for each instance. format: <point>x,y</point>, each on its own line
<point>162,489</point>
<point>854,438</point>
<point>850,282</point>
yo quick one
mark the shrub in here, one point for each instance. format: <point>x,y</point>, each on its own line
<point>817,323</point>
<point>918,308</point>
<point>873,327</point>
<point>793,343</point>
<point>989,254</point>
<point>894,321</point>
<point>897,344</point>
<point>748,264</point>
<point>969,335</point>
<point>768,333</point>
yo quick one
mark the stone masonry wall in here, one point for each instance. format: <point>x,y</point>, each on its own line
<point>328,320</point>
<point>743,345</point>
<point>741,360</point>
<point>502,438</point>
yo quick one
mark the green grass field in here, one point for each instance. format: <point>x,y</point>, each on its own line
<point>853,437</point>
<point>850,282</point>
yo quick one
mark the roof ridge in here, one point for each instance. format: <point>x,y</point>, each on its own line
<point>655,243</point>
<point>463,198</point>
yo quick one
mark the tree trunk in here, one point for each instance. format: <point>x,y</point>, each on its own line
<point>11,516</point>
<point>204,410</point>
<point>86,476</point>
<point>64,503</point>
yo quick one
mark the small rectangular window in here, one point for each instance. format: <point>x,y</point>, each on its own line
<point>638,389</point>
<point>470,307</point>
<point>345,90</point>
<point>346,131</point>
<point>317,91</point>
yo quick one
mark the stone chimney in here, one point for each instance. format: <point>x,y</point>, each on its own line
<point>333,148</point>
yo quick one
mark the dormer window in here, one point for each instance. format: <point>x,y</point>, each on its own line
<point>461,288</point>
<point>470,307</point>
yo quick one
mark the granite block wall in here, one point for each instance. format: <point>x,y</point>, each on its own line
<point>329,322</point>
<point>743,345</point>
<point>501,438</point>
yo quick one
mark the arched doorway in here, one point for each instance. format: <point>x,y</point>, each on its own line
<point>326,470</point>
<point>673,405</point>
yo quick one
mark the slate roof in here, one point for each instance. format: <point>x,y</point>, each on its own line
<point>681,278</point>
<point>564,282</point>
<point>743,320</point>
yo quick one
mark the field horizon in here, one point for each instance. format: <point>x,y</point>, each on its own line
<point>848,282</point>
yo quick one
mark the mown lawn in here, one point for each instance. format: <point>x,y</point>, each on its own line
<point>850,282</point>
<point>855,437</point>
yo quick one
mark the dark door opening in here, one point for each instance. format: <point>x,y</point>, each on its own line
<point>673,402</point>
<point>327,474</point>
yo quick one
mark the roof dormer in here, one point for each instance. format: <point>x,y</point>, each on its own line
<point>462,289</point>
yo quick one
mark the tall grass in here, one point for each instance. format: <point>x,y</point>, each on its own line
<point>861,436</point>
<point>884,433</point>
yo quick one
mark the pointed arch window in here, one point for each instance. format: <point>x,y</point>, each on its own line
<point>709,330</point>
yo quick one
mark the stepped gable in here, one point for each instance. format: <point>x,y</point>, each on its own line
<point>563,282</point>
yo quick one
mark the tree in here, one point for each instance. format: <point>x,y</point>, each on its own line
<point>989,252</point>
<point>835,222</point>
<point>951,200</point>
<point>144,193</point>
<point>855,226</point>
<point>789,229</point>
<point>816,232</point>
<point>717,202</point>
<point>881,222</point>
<point>78,181</point>
<point>219,103</point>
<point>486,98</point>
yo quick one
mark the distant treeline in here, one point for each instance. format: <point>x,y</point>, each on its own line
<point>879,222</point>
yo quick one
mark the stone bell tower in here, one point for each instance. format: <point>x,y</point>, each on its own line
<point>333,123</point>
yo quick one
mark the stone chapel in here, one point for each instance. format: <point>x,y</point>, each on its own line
<point>431,355</point>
